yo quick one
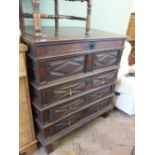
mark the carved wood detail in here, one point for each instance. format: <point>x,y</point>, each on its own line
<point>66,123</point>
<point>65,109</point>
<point>103,79</point>
<point>65,67</point>
<point>106,59</point>
<point>73,78</point>
<point>99,94</point>
<point>63,91</point>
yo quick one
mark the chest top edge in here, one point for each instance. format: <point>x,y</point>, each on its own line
<point>68,34</point>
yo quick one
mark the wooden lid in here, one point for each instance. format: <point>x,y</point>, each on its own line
<point>68,34</point>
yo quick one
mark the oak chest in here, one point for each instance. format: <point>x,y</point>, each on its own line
<point>72,78</point>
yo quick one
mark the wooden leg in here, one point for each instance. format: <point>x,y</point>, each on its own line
<point>51,147</point>
<point>106,114</point>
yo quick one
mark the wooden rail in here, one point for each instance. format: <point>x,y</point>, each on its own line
<point>46,16</point>
<point>37,16</point>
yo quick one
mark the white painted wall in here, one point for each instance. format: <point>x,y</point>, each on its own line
<point>107,15</point>
<point>134,6</point>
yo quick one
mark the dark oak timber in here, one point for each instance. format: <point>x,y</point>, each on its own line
<point>72,78</point>
<point>106,114</point>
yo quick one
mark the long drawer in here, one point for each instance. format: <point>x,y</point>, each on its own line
<point>50,131</point>
<point>47,70</point>
<point>52,94</point>
<point>68,108</point>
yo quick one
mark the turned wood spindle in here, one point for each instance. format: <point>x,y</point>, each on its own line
<point>56,16</point>
<point>36,17</point>
<point>21,19</point>
<point>89,5</point>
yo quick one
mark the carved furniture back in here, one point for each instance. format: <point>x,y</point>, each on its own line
<point>37,16</point>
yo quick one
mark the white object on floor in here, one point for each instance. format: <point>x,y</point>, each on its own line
<point>126,100</point>
<point>125,85</point>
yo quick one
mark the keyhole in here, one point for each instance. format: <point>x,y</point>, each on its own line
<point>92,46</point>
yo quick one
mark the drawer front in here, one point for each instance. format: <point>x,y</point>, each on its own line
<point>67,108</point>
<point>65,91</point>
<point>64,67</point>
<point>102,104</point>
<point>103,79</point>
<point>74,47</point>
<point>58,112</point>
<point>106,59</point>
<point>97,107</point>
<point>43,71</point>
<point>56,128</point>
<point>66,123</point>
<point>99,94</point>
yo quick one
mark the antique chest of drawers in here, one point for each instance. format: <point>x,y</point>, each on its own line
<point>72,78</point>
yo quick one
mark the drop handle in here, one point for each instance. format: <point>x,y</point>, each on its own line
<point>103,82</point>
<point>70,92</point>
<point>69,123</point>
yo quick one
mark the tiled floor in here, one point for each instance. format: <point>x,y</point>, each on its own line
<point>113,135</point>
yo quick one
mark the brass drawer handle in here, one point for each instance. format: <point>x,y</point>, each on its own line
<point>69,123</point>
<point>103,82</point>
<point>70,92</point>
